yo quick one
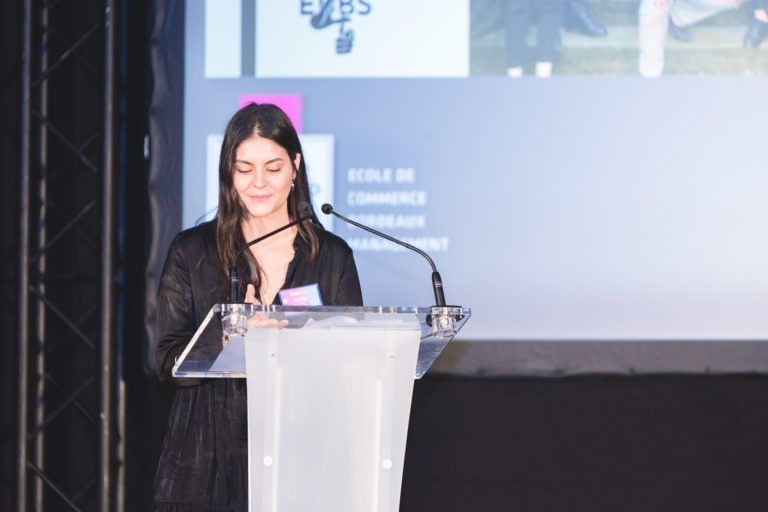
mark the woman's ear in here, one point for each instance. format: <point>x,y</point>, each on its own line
<point>296,162</point>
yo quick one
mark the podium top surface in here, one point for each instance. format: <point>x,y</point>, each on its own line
<point>217,348</point>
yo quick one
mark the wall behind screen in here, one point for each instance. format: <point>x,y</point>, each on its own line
<point>586,207</point>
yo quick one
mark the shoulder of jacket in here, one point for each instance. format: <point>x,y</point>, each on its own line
<point>334,242</point>
<point>204,232</point>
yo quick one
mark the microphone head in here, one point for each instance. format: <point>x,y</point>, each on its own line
<point>326,208</point>
<point>303,208</point>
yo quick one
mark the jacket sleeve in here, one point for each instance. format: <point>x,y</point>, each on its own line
<point>348,292</point>
<point>175,311</point>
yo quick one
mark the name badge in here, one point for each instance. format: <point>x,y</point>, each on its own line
<point>308,295</point>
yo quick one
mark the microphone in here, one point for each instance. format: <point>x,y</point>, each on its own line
<point>442,318</point>
<point>305,213</point>
<point>437,282</point>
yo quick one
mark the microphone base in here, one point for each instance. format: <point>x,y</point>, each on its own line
<point>443,320</point>
<point>233,323</point>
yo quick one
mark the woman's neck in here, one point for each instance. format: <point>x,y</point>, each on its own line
<point>255,227</point>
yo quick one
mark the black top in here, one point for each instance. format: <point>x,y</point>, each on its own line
<point>204,459</point>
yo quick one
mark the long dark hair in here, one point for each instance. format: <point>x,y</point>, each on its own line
<point>267,121</point>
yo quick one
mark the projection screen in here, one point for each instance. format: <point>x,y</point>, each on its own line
<point>593,220</point>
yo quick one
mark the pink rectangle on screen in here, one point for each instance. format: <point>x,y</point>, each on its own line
<point>289,103</point>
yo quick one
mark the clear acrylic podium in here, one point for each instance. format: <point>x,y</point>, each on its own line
<point>329,396</point>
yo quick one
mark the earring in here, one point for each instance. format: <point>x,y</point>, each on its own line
<point>293,184</point>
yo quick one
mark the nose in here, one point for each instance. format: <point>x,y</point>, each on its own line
<point>258,179</point>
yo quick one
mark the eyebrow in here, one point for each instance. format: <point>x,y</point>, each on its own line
<point>278,159</point>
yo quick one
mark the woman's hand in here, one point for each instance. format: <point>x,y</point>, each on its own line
<point>259,320</point>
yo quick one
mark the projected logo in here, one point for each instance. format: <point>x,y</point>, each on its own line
<point>335,38</point>
<point>338,14</point>
<point>360,38</point>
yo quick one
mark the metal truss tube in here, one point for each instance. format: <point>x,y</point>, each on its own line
<point>24,217</point>
<point>39,284</point>
<point>107,258</point>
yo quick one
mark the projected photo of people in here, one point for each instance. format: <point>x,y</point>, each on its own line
<point>651,38</point>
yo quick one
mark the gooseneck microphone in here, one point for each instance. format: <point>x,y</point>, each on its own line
<point>305,213</point>
<point>437,282</point>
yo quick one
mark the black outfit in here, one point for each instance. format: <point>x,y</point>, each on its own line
<point>520,15</point>
<point>203,464</point>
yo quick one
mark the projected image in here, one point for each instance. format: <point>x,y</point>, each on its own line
<point>400,38</point>
<point>608,208</point>
<point>647,37</point>
<point>341,38</point>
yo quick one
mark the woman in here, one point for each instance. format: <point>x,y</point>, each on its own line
<point>262,179</point>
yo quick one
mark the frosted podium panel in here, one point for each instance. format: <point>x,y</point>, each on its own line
<point>328,417</point>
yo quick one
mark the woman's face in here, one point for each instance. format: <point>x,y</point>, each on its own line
<point>262,177</point>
